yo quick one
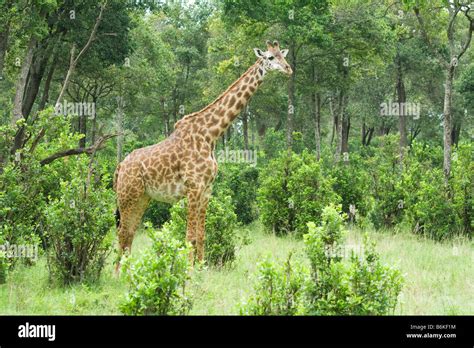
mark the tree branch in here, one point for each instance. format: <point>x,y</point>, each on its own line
<point>74,60</point>
<point>469,34</point>
<point>425,36</point>
<point>98,145</point>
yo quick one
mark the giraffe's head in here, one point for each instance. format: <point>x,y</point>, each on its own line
<point>273,58</point>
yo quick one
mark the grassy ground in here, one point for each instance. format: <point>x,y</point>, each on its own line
<point>439,278</point>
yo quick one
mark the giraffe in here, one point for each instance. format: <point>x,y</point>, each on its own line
<point>184,164</point>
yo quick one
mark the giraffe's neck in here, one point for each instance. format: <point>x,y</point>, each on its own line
<point>218,115</point>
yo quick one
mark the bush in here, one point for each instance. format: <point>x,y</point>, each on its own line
<point>21,203</point>
<point>462,182</point>
<point>293,191</point>
<point>241,182</point>
<point>387,188</point>
<point>351,183</point>
<point>273,143</point>
<point>310,191</point>
<point>278,291</point>
<point>274,197</point>
<point>158,279</point>
<point>332,285</point>
<point>433,213</point>
<point>362,287</point>
<point>78,229</point>
<point>158,213</point>
<point>4,265</point>
<point>221,222</point>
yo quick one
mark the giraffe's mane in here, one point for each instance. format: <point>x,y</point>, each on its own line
<point>221,96</point>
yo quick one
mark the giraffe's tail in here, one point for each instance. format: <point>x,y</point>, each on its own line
<point>117,217</point>
<point>117,211</point>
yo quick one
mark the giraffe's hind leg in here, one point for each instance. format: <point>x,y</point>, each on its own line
<point>131,212</point>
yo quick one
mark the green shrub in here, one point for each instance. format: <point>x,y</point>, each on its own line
<point>310,191</point>
<point>433,213</point>
<point>158,213</point>
<point>78,228</point>
<point>279,289</point>
<point>386,184</point>
<point>158,278</point>
<point>21,202</point>
<point>4,265</point>
<point>293,191</point>
<point>363,286</point>
<point>351,183</point>
<point>274,196</point>
<point>332,285</point>
<point>273,143</point>
<point>221,222</point>
<point>241,182</point>
<point>462,182</point>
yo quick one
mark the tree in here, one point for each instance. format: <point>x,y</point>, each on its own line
<point>458,26</point>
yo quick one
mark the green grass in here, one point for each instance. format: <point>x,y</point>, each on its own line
<point>439,278</point>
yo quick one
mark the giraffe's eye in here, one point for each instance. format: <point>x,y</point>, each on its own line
<point>271,58</point>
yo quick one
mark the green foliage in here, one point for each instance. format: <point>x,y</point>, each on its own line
<point>279,289</point>
<point>158,278</point>
<point>462,182</point>
<point>241,183</point>
<point>78,228</point>
<point>351,183</point>
<point>157,213</point>
<point>276,210</point>
<point>21,202</point>
<point>221,222</point>
<point>332,286</point>
<point>311,191</point>
<point>387,189</point>
<point>432,208</point>
<point>4,264</point>
<point>362,287</point>
<point>293,191</point>
<point>273,143</point>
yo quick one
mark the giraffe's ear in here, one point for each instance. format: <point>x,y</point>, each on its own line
<point>258,52</point>
<point>284,52</point>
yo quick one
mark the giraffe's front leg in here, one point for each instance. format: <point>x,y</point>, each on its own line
<point>201,223</point>
<point>192,222</point>
<point>197,205</point>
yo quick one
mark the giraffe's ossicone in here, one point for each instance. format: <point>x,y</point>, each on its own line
<point>184,165</point>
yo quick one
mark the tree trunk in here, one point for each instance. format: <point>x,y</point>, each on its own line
<point>316,99</point>
<point>166,117</point>
<point>291,99</point>
<point>346,125</point>
<point>343,122</point>
<point>94,120</point>
<point>21,83</point>
<point>401,98</point>
<point>47,83</point>
<point>317,119</point>
<point>37,70</point>
<point>363,133</point>
<point>369,136</point>
<point>120,112</point>
<point>334,120</point>
<point>245,127</point>
<point>455,133</point>
<point>447,124</point>
<point>4,34</point>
